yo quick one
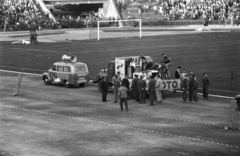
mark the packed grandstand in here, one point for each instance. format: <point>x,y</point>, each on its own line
<point>28,14</point>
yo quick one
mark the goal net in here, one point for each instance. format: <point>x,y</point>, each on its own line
<point>116,28</point>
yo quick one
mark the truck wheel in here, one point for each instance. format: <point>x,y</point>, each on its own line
<point>99,86</point>
<point>65,83</point>
<point>82,84</point>
<point>46,80</point>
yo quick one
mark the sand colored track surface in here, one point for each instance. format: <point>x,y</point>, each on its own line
<point>53,120</point>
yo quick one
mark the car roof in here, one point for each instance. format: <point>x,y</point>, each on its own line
<point>69,63</point>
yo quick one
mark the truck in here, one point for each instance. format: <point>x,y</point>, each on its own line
<point>129,66</point>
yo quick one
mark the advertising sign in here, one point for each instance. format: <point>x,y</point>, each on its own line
<point>120,67</point>
<point>171,84</point>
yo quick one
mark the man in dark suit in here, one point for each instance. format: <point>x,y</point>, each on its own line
<point>195,89</point>
<point>177,75</point>
<point>190,86</point>
<point>104,87</point>
<point>142,89</point>
<point>126,84</point>
<point>134,87</point>
<point>151,90</point>
<point>184,88</point>
<point>205,83</point>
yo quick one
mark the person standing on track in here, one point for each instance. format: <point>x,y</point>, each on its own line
<point>142,89</point>
<point>158,89</point>
<point>195,89</point>
<point>116,84</point>
<point>184,87</point>
<point>151,89</point>
<point>205,82</point>
<point>190,86</point>
<point>126,83</point>
<point>34,37</point>
<point>104,87</point>
<point>31,36</point>
<point>134,87</point>
<point>122,93</point>
<point>177,75</point>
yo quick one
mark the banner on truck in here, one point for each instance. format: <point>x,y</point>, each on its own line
<point>171,84</point>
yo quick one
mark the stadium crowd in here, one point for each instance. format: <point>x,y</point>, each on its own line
<point>193,9</point>
<point>27,14</point>
<point>22,15</point>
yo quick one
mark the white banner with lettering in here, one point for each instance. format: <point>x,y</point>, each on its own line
<point>171,84</point>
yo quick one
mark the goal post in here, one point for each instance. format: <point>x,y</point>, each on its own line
<point>121,24</point>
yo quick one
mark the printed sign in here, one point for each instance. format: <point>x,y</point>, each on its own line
<point>120,67</point>
<point>171,84</point>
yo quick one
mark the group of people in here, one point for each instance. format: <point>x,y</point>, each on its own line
<point>137,91</point>
<point>123,91</point>
<point>190,85</point>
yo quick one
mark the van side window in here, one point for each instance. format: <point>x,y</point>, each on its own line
<point>60,68</point>
<point>66,69</point>
<point>54,67</point>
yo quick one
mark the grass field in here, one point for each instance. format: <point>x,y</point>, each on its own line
<point>216,53</point>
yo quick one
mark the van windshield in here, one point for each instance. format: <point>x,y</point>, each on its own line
<point>80,69</point>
